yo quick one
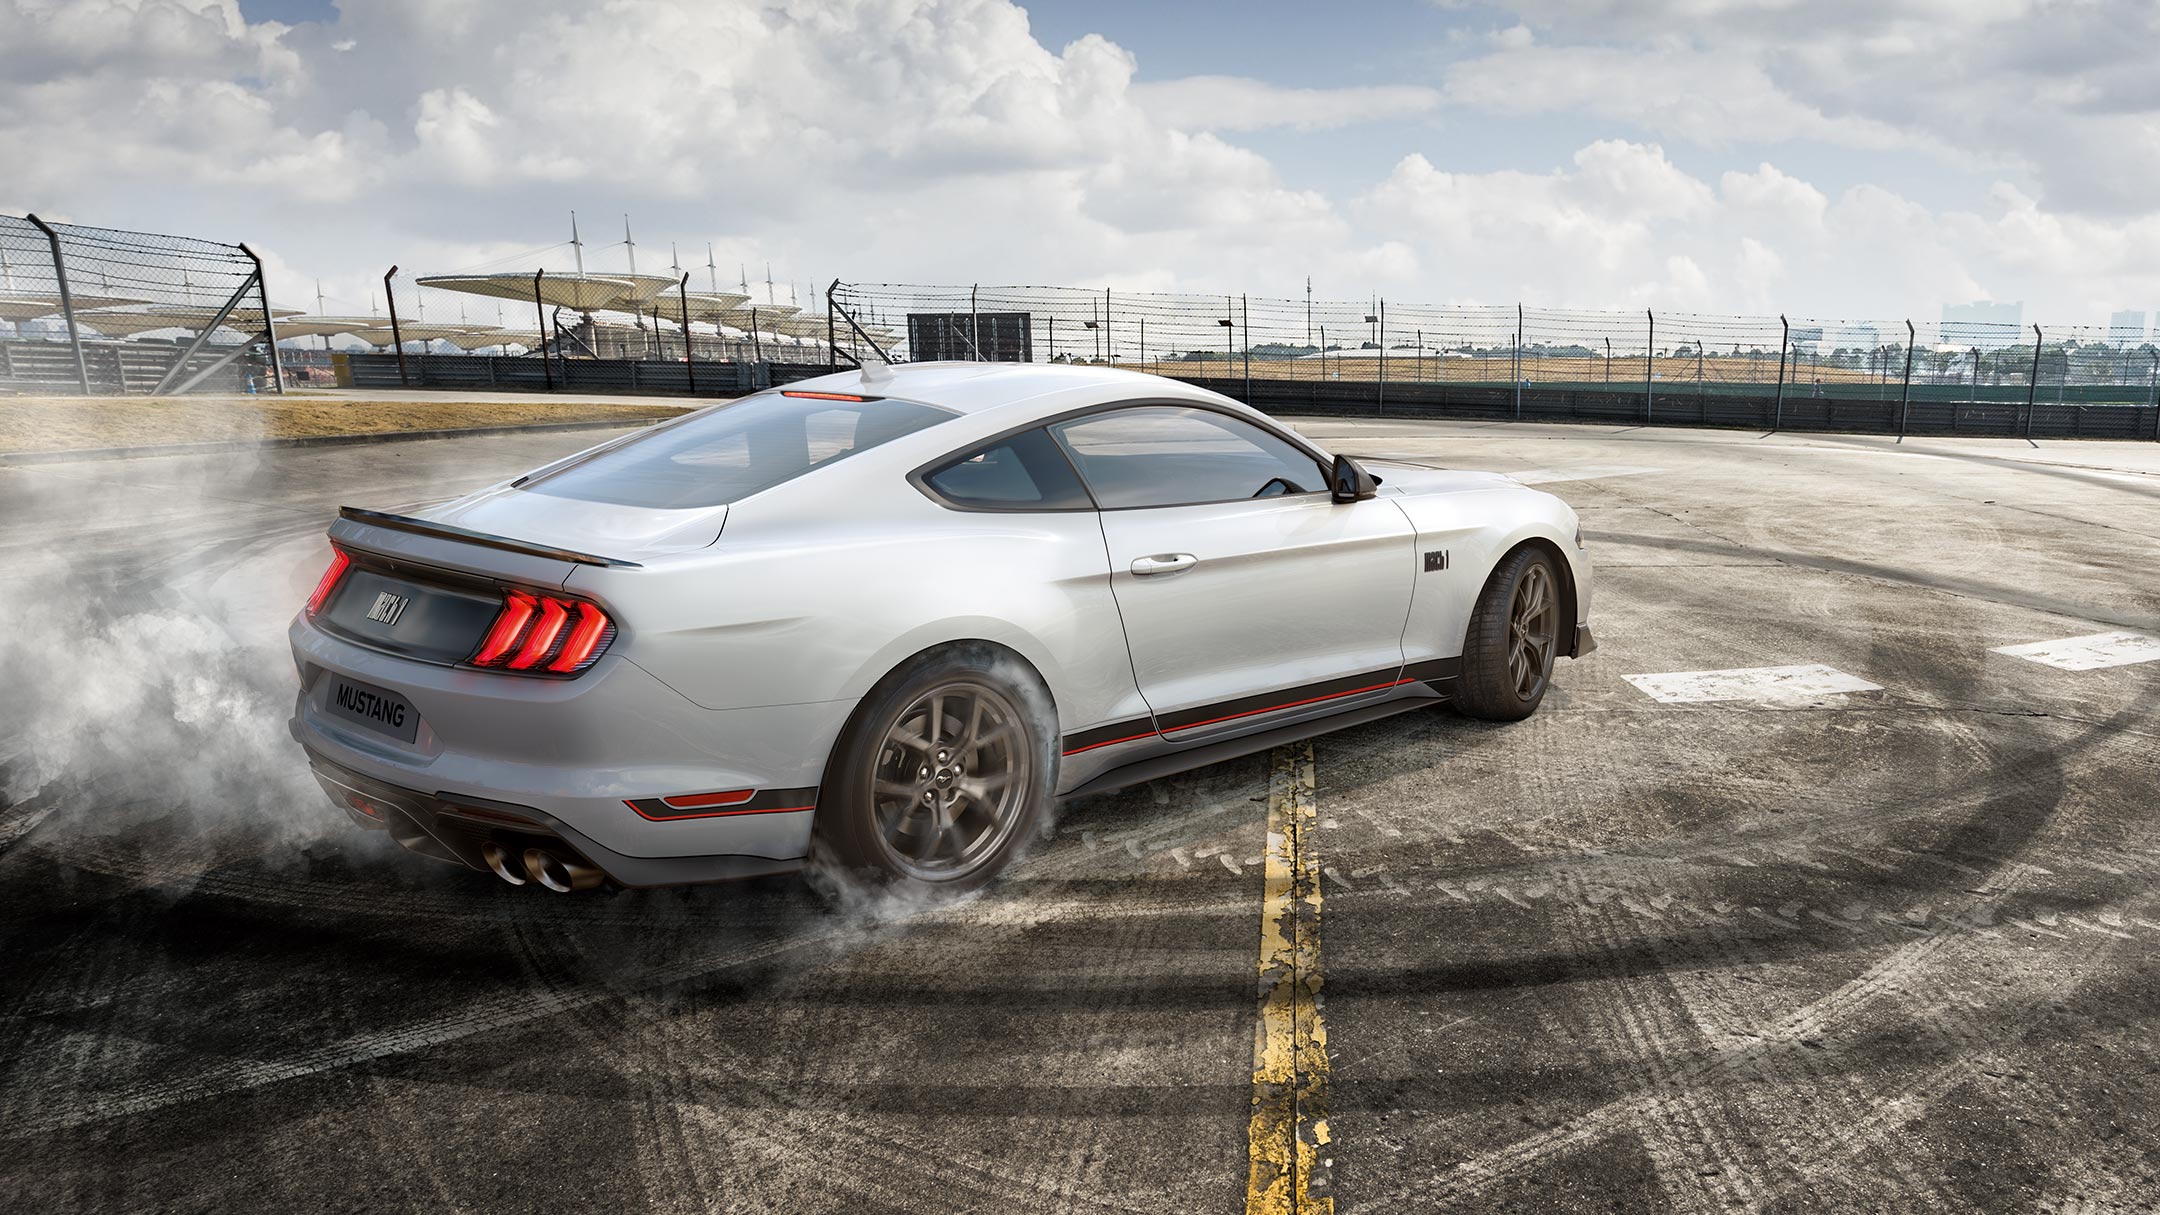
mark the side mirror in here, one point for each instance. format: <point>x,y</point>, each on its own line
<point>1349,483</point>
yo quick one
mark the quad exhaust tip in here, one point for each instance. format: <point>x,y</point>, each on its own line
<point>559,873</point>
<point>504,863</point>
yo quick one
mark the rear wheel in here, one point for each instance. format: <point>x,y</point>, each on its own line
<point>944,772</point>
<point>1513,639</point>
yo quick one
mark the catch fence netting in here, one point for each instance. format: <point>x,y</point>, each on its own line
<point>101,310</point>
<point>1653,354</point>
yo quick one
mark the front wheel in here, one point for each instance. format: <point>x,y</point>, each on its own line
<point>1513,639</point>
<point>943,773</point>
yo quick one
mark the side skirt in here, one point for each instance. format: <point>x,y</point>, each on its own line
<point>1170,763</point>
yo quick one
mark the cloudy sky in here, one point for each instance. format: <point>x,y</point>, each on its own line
<point>1819,157</point>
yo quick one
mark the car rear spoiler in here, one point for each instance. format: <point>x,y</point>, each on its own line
<point>444,531</point>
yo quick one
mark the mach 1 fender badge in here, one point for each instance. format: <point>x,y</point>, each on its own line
<point>387,609</point>
<point>1436,560</point>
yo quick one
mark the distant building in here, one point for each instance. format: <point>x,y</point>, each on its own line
<point>1983,325</point>
<point>2127,328</point>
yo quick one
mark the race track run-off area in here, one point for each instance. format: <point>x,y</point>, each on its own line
<point>1826,884</point>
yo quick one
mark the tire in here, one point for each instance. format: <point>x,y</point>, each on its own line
<point>1506,670</point>
<point>931,809</point>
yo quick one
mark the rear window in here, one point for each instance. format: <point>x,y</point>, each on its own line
<point>733,452</point>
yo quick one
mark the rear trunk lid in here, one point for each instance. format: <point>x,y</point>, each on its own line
<point>429,591</point>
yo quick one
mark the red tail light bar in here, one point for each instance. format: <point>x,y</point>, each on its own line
<point>339,562</point>
<point>534,634</point>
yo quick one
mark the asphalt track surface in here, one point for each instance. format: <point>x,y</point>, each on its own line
<point>1877,950</point>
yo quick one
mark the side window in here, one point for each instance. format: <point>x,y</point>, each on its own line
<point>1024,472</point>
<point>1166,455</point>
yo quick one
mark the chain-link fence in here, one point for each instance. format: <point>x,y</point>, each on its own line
<point>96,310</point>
<point>1380,355</point>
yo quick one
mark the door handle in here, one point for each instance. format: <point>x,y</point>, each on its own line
<point>1164,563</point>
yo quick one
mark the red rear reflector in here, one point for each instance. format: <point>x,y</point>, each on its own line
<point>824,396</point>
<point>515,613</point>
<point>545,630</point>
<point>338,562</point>
<point>699,801</point>
<point>583,637</point>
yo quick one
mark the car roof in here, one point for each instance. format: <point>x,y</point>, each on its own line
<point>976,387</point>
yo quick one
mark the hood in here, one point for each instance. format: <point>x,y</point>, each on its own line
<point>603,528</point>
<point>1406,477</point>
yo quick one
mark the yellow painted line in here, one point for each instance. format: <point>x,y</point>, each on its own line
<point>1288,1143</point>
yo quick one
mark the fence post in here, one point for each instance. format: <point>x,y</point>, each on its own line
<point>757,343</point>
<point>1777,416</point>
<point>67,304</point>
<point>2032,386</point>
<point>1608,360</point>
<point>689,351</point>
<point>397,336</point>
<point>1905,401</point>
<point>1649,360</point>
<point>1244,321</point>
<point>547,369</point>
<point>262,287</point>
<point>1382,314</point>
<point>1518,362</point>
<point>2156,395</point>
<point>1110,342</point>
<point>974,323</point>
<point>832,349</point>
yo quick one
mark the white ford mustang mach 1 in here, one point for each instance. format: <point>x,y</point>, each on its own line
<point>891,615</point>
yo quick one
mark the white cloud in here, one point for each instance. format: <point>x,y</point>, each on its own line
<point>1237,103</point>
<point>937,140</point>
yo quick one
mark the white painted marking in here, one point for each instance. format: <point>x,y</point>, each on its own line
<point>1585,472</point>
<point>2088,653</point>
<point>1777,684</point>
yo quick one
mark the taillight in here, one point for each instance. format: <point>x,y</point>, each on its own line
<point>338,563</point>
<point>533,633</point>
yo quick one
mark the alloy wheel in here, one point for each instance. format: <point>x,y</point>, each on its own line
<point>1533,630</point>
<point>949,780</point>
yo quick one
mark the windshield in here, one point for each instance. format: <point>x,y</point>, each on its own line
<point>730,453</point>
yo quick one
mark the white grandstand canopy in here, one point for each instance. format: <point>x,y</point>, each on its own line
<point>482,339</point>
<point>23,307</point>
<point>122,322</point>
<point>578,292</point>
<point>713,306</point>
<point>325,326</point>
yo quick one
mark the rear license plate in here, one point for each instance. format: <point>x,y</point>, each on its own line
<point>379,709</point>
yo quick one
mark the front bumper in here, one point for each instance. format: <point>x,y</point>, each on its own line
<point>573,752</point>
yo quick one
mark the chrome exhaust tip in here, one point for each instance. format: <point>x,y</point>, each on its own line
<point>503,863</point>
<point>559,873</point>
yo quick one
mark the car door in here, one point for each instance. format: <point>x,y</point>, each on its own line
<point>1247,592</point>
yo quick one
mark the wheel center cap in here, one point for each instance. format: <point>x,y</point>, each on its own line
<point>944,776</point>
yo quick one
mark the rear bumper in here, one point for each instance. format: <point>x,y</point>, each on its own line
<point>573,752</point>
<point>455,828</point>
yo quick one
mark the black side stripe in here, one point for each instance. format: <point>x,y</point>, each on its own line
<point>1288,698</point>
<point>1110,735</point>
<point>764,801</point>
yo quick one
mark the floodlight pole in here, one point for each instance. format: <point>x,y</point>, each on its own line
<point>1905,402</point>
<point>1777,417</point>
<point>67,305</point>
<point>547,369</point>
<point>397,335</point>
<point>689,355</point>
<point>2032,385</point>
